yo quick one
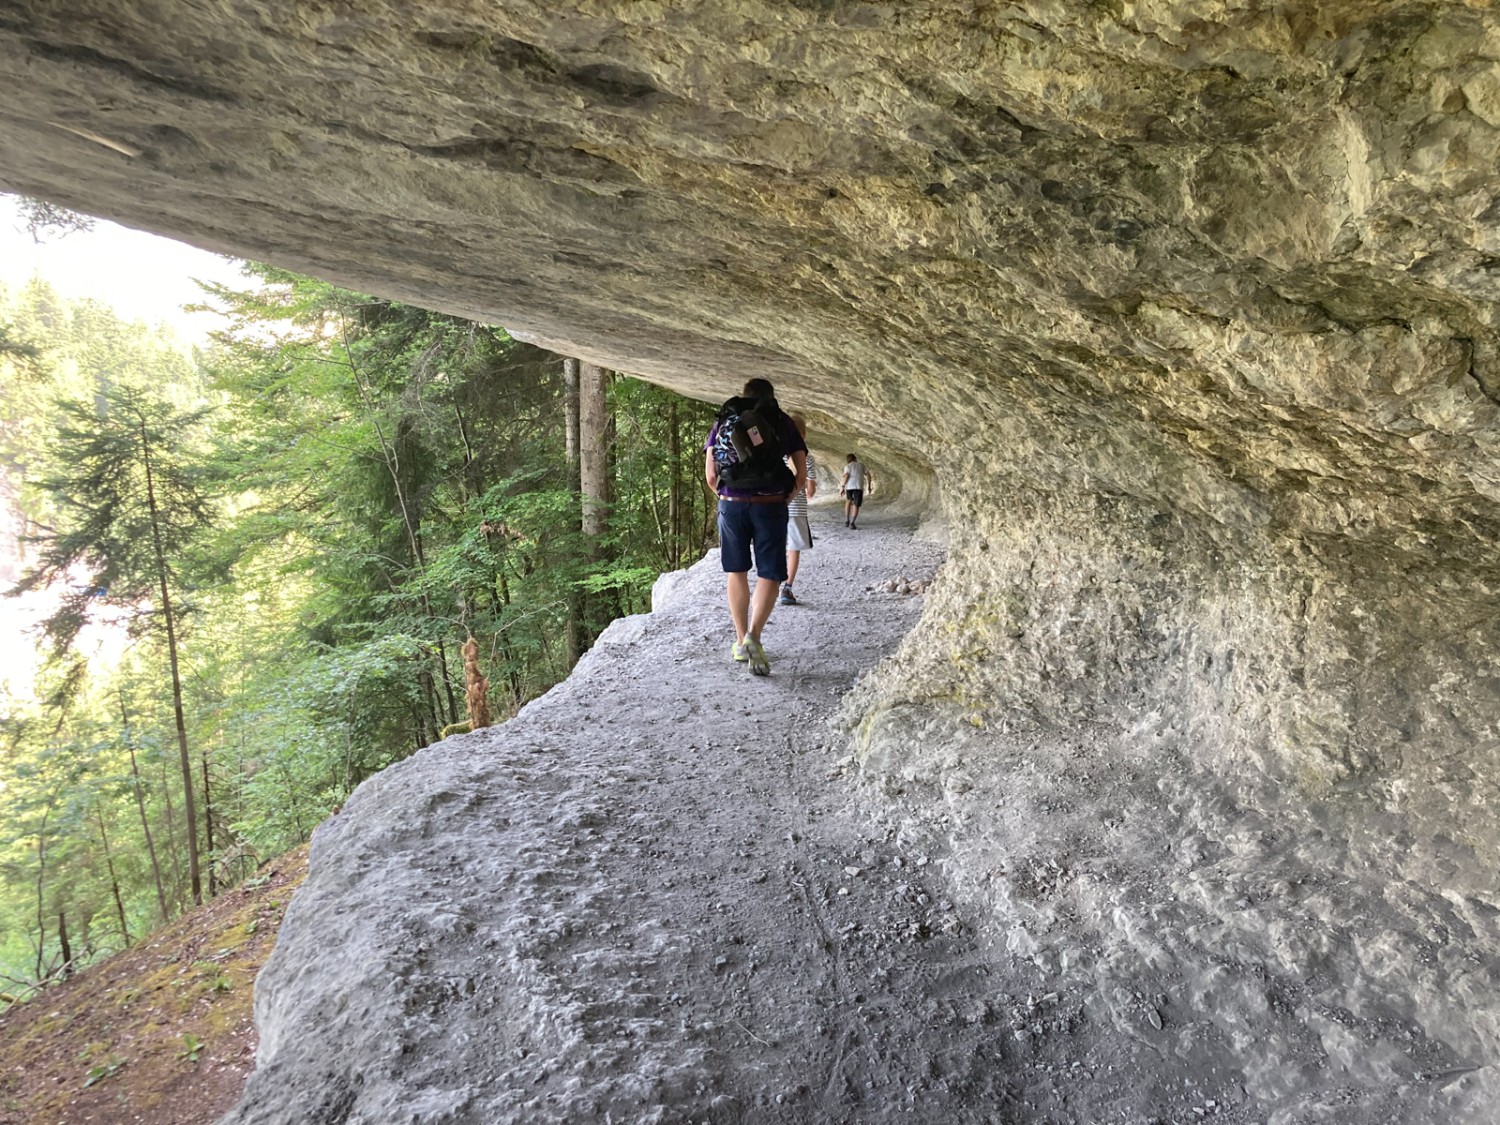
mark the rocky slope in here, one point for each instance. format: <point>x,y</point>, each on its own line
<point>1182,315</point>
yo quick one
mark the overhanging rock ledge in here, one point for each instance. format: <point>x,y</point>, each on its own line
<point>1186,313</point>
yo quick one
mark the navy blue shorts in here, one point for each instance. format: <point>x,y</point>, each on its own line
<point>856,496</point>
<point>742,525</point>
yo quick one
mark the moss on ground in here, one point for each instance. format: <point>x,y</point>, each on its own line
<point>113,1043</point>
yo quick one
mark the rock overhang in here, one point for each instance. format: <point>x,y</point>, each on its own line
<point>1186,312</point>
<point>1234,263</point>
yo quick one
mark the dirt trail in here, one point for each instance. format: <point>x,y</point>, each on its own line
<point>655,895</point>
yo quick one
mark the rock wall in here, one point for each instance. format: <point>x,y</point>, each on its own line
<point>1185,311</point>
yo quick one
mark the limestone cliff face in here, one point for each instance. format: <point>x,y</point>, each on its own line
<point>1185,311</point>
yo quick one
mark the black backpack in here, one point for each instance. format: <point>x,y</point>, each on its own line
<point>748,448</point>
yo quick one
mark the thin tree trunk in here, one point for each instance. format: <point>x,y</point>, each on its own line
<point>434,708</point>
<point>674,493</point>
<point>570,407</point>
<point>67,948</point>
<point>410,521</point>
<point>140,804</point>
<point>593,475</point>
<point>710,515</point>
<point>41,882</point>
<point>611,443</point>
<point>593,452</point>
<point>173,851</point>
<point>474,486</point>
<point>453,711</point>
<point>574,633</point>
<point>418,728</point>
<point>208,824</point>
<point>291,799</point>
<point>189,804</point>
<point>114,881</point>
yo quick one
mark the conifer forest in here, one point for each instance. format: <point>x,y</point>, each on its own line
<point>262,572</point>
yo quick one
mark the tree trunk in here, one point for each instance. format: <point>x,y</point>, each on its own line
<point>174,853</point>
<point>291,798</point>
<point>593,453</point>
<point>410,520</point>
<point>434,708</point>
<point>208,825</point>
<point>574,633</point>
<point>474,485</point>
<point>41,883</point>
<point>453,712</point>
<point>674,492</point>
<point>190,811</point>
<point>570,407</point>
<point>114,881</point>
<point>593,475</point>
<point>140,804</point>
<point>63,943</point>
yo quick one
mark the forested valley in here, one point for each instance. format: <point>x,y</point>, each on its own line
<point>262,573</point>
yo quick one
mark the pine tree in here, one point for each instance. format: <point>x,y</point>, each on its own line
<point>132,506</point>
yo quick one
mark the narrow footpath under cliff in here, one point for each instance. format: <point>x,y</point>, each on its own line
<point>654,895</point>
<point>660,895</point>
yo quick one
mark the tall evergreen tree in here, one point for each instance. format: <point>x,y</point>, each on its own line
<point>133,505</point>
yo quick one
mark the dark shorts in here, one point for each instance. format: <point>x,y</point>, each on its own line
<point>856,496</point>
<point>762,526</point>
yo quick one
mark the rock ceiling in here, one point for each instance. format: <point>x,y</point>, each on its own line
<point>1183,313</point>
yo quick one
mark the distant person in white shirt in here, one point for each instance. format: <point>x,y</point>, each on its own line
<point>798,531</point>
<point>853,491</point>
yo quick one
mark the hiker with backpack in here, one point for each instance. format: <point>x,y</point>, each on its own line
<point>745,463</point>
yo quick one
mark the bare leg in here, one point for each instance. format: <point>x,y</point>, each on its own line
<point>853,514</point>
<point>738,589</point>
<point>792,559</point>
<point>762,602</point>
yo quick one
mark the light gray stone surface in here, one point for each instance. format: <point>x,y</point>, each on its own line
<point>1183,312</point>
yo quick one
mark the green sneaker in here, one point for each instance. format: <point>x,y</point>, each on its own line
<point>759,665</point>
<point>737,651</point>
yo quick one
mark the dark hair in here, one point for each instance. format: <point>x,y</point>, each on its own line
<point>759,388</point>
<point>851,457</point>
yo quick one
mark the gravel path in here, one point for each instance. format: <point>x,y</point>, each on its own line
<point>655,895</point>
<point>658,895</point>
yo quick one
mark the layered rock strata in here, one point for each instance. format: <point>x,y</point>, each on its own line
<point>1185,311</point>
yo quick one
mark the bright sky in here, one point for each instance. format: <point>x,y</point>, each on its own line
<point>142,276</point>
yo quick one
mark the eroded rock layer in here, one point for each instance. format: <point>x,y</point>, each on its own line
<point>1186,311</point>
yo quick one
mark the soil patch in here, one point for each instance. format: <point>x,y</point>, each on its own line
<point>159,1034</point>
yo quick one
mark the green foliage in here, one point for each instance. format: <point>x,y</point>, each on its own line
<point>108,1068</point>
<point>349,490</point>
<point>192,1046</point>
<point>213,976</point>
<point>44,219</point>
<point>132,492</point>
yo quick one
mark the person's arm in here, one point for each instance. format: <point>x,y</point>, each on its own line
<point>710,470</point>
<point>812,486</point>
<point>844,484</point>
<point>799,466</point>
